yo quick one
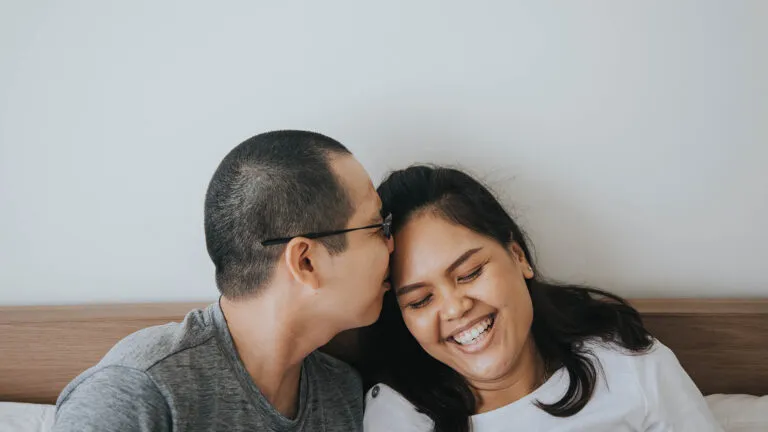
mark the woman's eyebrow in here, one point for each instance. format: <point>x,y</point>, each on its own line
<point>408,288</point>
<point>462,259</point>
<point>459,261</point>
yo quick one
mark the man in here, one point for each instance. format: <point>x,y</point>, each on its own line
<point>294,228</point>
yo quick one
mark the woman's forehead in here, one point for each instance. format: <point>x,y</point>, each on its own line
<point>429,244</point>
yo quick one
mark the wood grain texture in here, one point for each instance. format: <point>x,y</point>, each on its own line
<point>701,306</point>
<point>723,344</point>
<point>42,348</point>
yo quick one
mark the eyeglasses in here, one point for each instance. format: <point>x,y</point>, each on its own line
<point>386,228</point>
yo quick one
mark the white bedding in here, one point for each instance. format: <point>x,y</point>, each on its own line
<point>736,413</point>
<point>24,417</point>
<point>740,413</point>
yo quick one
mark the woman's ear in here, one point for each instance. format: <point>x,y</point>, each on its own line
<point>518,254</point>
<point>300,254</point>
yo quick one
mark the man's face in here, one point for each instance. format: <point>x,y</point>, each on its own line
<point>359,275</point>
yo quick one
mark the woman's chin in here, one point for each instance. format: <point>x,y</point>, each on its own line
<point>491,362</point>
<point>485,369</point>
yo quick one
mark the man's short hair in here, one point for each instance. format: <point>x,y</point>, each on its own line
<point>276,184</point>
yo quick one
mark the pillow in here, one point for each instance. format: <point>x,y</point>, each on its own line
<point>740,413</point>
<point>25,417</point>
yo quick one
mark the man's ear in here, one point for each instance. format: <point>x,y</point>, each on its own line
<point>301,258</point>
<point>518,255</point>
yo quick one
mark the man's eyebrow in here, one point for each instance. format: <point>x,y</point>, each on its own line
<point>377,218</point>
<point>459,261</point>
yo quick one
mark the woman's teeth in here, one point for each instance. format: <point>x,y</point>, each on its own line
<point>470,336</point>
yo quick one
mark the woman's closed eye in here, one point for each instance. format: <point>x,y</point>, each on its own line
<point>472,275</point>
<point>424,301</point>
<point>421,303</point>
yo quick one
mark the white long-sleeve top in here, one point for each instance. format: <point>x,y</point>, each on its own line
<point>647,392</point>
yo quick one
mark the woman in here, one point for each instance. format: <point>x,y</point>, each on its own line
<point>470,338</point>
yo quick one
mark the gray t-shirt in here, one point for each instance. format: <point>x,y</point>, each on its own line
<point>188,377</point>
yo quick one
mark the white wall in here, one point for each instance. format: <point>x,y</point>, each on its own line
<point>632,137</point>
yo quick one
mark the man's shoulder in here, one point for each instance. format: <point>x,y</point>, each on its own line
<point>147,347</point>
<point>105,381</point>
<point>333,374</point>
<point>340,387</point>
<point>334,367</point>
<point>108,399</point>
<point>139,352</point>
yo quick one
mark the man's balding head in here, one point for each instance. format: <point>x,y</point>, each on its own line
<point>272,185</point>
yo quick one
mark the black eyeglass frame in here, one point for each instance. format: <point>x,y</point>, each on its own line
<point>386,227</point>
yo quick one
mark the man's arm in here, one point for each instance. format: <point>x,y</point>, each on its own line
<point>115,398</point>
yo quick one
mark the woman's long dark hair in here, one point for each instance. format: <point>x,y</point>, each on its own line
<point>563,315</point>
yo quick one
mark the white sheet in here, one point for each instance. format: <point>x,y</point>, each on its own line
<point>740,413</point>
<point>23,417</point>
<point>736,413</point>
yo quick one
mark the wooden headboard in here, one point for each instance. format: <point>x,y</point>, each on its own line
<point>723,344</point>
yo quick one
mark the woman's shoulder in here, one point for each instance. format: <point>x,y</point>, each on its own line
<point>601,348</point>
<point>670,396</point>
<point>613,357</point>
<point>388,410</point>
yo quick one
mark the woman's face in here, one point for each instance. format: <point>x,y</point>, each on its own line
<point>463,296</point>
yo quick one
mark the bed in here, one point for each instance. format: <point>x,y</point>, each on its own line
<point>723,344</point>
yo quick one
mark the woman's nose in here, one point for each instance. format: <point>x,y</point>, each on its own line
<point>455,305</point>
